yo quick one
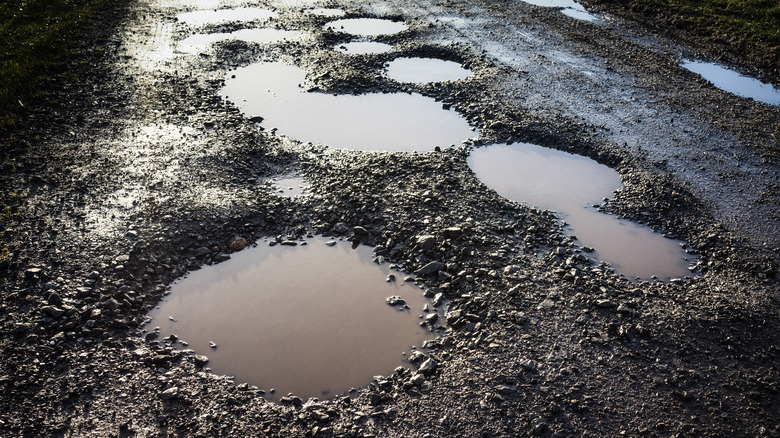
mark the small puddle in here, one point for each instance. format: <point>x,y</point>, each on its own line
<point>311,320</point>
<point>327,12</point>
<point>569,8</point>
<point>424,70</point>
<point>569,185</point>
<point>291,186</point>
<point>370,122</point>
<point>364,48</point>
<point>367,26</point>
<point>260,36</point>
<point>733,82</point>
<point>199,18</point>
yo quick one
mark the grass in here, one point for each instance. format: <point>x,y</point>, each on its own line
<point>36,37</point>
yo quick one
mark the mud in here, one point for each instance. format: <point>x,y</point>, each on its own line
<point>146,173</point>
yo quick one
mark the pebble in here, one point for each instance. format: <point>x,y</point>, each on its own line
<point>428,367</point>
<point>395,300</point>
<point>430,268</point>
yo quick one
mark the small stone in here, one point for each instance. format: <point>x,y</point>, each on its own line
<point>200,360</point>
<point>238,244</point>
<point>221,257</point>
<point>428,367</point>
<point>605,304</point>
<point>330,243</point>
<point>438,299</point>
<point>52,311</point>
<point>546,304</point>
<point>54,299</point>
<point>202,251</point>
<point>395,300</point>
<point>169,393</point>
<point>426,242</point>
<point>111,304</point>
<point>94,275</point>
<point>359,231</point>
<point>430,268</point>
<point>417,379</point>
<point>390,278</point>
<point>431,318</point>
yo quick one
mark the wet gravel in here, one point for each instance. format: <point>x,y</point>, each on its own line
<point>149,174</point>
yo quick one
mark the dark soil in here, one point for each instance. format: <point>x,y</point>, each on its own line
<point>148,173</point>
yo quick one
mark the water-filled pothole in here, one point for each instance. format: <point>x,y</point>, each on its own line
<point>271,94</point>
<point>364,48</point>
<point>312,320</point>
<point>733,82</point>
<point>291,186</point>
<point>367,26</point>
<point>569,185</point>
<point>199,18</point>
<point>424,70</point>
<point>568,7</point>
<point>260,36</point>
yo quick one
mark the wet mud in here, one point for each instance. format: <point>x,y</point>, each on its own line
<point>150,173</point>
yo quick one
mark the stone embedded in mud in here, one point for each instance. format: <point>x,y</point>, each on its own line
<point>238,244</point>
<point>395,300</point>
<point>430,268</point>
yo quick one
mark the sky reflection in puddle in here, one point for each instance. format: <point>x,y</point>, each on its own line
<point>309,320</point>
<point>569,185</point>
<point>260,36</point>
<point>569,8</point>
<point>425,70</point>
<point>374,121</point>
<point>367,26</point>
<point>199,18</point>
<point>364,48</point>
<point>733,82</point>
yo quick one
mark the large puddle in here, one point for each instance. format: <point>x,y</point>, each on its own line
<point>311,320</point>
<point>273,94</point>
<point>570,185</point>
<point>367,26</point>
<point>424,70</point>
<point>199,18</point>
<point>733,82</point>
<point>260,36</point>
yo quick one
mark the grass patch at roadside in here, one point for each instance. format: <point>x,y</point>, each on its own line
<point>36,36</point>
<point>747,29</point>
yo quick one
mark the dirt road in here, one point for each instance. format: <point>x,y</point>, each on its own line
<point>153,174</point>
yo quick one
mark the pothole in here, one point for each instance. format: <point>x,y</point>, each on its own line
<point>312,320</point>
<point>199,18</point>
<point>272,94</point>
<point>260,36</point>
<point>291,186</point>
<point>367,26</point>
<point>733,82</point>
<point>569,8</point>
<point>569,185</point>
<point>425,70</point>
<point>364,48</point>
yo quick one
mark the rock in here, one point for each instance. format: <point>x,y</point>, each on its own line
<point>428,367</point>
<point>200,360</point>
<point>546,304</point>
<point>340,228</point>
<point>202,251</point>
<point>33,273</point>
<point>94,275</point>
<point>417,356</point>
<point>395,300</point>
<point>605,304</point>
<point>122,259</point>
<point>430,268</point>
<point>54,299</point>
<point>359,231</point>
<point>438,299</point>
<point>111,304</point>
<point>417,379</point>
<point>426,242</point>
<point>331,243</point>
<point>52,311</point>
<point>238,244</point>
<point>431,318</point>
<point>221,257</point>
<point>169,393</point>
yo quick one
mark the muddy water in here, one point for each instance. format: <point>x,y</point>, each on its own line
<point>364,48</point>
<point>733,82</point>
<point>422,70</point>
<point>309,320</point>
<point>260,36</point>
<point>374,121</point>
<point>570,185</point>
<point>199,18</point>
<point>366,26</point>
<point>291,186</point>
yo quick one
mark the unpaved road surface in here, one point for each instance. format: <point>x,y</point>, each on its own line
<point>153,174</point>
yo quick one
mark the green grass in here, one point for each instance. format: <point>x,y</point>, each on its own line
<point>36,36</point>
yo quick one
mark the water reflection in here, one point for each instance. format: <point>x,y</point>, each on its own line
<point>733,82</point>
<point>367,26</point>
<point>569,185</point>
<point>424,70</point>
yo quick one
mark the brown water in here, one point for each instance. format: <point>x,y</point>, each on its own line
<point>309,320</point>
<point>422,70</point>
<point>373,121</point>
<point>569,185</point>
